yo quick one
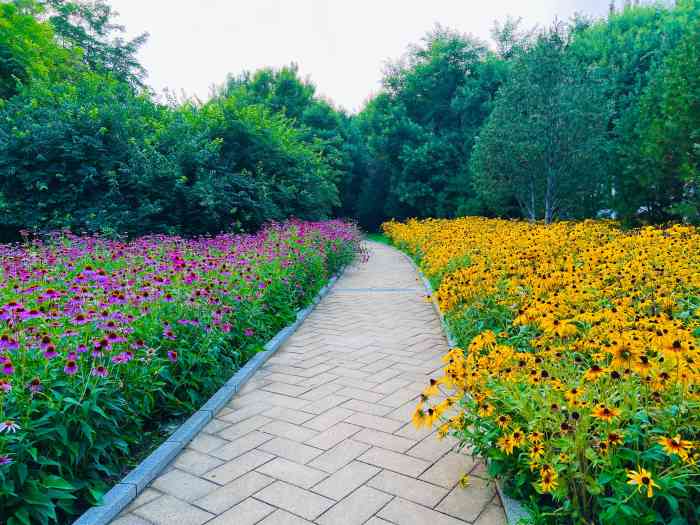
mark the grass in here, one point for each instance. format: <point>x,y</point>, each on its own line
<point>378,237</point>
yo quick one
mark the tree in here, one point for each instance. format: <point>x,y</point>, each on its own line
<point>420,130</point>
<point>668,168</point>
<point>89,27</point>
<point>544,144</point>
<point>27,50</point>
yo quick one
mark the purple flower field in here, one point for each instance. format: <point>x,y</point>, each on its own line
<point>104,344</point>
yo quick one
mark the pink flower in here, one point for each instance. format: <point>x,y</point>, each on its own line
<point>100,371</point>
<point>172,355</point>
<point>50,352</point>
<point>5,385</point>
<point>249,332</point>
<point>7,368</point>
<point>35,385</point>
<point>71,367</point>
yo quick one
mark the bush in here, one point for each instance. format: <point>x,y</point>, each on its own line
<point>107,344</point>
<point>578,371</point>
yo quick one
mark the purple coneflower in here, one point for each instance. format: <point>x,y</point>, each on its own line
<point>35,385</point>
<point>100,371</point>
<point>5,460</point>
<point>9,426</point>
<point>5,386</point>
<point>71,367</point>
<point>248,332</point>
<point>7,368</point>
<point>172,355</point>
<point>50,352</point>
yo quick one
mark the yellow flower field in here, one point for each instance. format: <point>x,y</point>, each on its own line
<point>578,371</point>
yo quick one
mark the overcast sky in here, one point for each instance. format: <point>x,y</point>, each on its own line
<point>340,44</point>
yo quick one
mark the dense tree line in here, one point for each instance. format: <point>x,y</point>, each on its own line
<point>83,145</point>
<point>582,119</point>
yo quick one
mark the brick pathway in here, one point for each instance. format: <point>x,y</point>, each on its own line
<point>322,433</point>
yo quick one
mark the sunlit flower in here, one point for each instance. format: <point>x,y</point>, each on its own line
<point>643,480</point>
<point>676,445</point>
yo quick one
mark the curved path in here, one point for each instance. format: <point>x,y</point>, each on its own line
<point>322,433</point>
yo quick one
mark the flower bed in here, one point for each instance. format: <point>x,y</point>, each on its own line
<point>105,346</point>
<point>578,375</point>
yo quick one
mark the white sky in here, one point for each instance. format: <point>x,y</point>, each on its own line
<point>340,44</point>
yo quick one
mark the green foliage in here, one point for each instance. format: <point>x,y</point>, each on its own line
<point>544,144</point>
<point>27,50</point>
<point>79,155</point>
<point>421,129</point>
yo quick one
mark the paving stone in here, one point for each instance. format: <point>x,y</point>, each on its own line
<point>345,480</point>
<point>167,510</point>
<point>492,515</point>
<point>239,466</point>
<point>296,417</point>
<point>334,435</point>
<point>239,414</point>
<point>206,443</point>
<point>285,389</point>
<point>130,519</point>
<point>282,517</point>
<point>368,408</point>
<point>469,502</point>
<point>374,520</point>
<point>295,500</point>
<point>289,431</point>
<point>447,471</point>
<point>328,419</point>
<point>325,402</point>
<point>244,427</point>
<point>147,495</point>
<point>195,462</point>
<point>216,425</point>
<point>384,440</point>
<point>404,512</point>
<point>339,456</point>
<point>291,450</point>
<point>248,512</point>
<point>183,485</point>
<point>408,488</point>
<point>375,422</point>
<point>362,395</point>
<point>234,492</point>
<point>432,448</point>
<point>294,473</point>
<point>241,445</point>
<point>400,463</point>
<point>355,509</point>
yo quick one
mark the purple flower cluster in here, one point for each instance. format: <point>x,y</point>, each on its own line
<point>80,310</point>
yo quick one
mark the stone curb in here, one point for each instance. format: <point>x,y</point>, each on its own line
<point>514,510</point>
<point>124,492</point>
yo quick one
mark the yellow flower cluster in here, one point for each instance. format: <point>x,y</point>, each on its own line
<point>579,339</point>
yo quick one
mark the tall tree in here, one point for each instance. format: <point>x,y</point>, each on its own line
<point>545,142</point>
<point>89,27</point>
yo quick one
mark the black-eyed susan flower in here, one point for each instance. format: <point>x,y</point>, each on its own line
<point>676,445</point>
<point>643,481</point>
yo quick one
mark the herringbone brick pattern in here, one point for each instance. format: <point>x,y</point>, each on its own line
<point>322,433</point>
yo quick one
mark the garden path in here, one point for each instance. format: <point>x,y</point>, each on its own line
<point>322,433</point>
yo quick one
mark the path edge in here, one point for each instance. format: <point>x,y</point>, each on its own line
<point>514,510</point>
<point>136,481</point>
